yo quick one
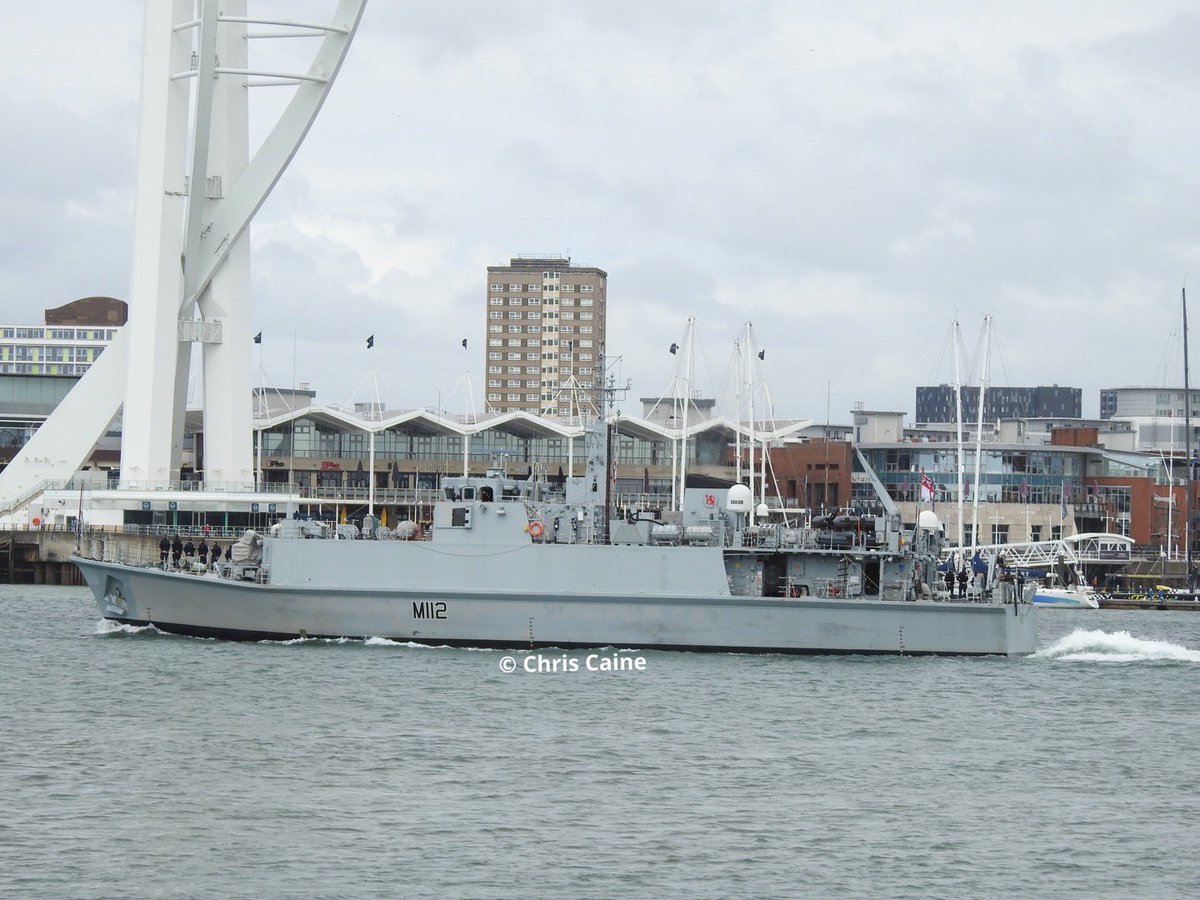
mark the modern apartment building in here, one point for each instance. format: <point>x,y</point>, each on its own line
<point>71,340</point>
<point>1147,402</point>
<point>545,330</point>
<point>1156,415</point>
<point>39,364</point>
<point>935,403</point>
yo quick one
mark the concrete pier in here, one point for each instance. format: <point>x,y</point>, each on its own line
<point>1179,602</point>
<point>41,555</point>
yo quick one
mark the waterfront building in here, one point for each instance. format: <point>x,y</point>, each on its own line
<point>70,339</point>
<point>1155,415</point>
<point>545,328</point>
<point>936,403</point>
<point>331,462</point>
<point>39,364</point>
<point>1070,482</point>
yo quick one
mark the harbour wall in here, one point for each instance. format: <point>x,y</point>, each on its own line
<point>42,555</point>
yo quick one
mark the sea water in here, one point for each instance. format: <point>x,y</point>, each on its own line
<point>134,763</point>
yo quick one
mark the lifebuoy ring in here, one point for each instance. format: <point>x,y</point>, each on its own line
<point>535,530</point>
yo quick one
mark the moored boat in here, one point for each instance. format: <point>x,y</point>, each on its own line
<point>1078,597</point>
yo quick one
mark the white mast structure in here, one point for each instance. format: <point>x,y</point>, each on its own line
<point>770,425</point>
<point>750,400</point>
<point>573,390</point>
<point>260,414</point>
<point>197,191</point>
<point>689,357</point>
<point>752,389</point>
<point>737,405</point>
<point>983,385</point>
<point>962,463</point>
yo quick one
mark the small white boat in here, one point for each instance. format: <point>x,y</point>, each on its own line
<point>1077,597</point>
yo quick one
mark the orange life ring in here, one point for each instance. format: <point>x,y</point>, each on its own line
<point>535,530</point>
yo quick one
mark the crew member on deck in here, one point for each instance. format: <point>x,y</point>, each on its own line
<point>164,550</point>
<point>189,552</point>
<point>950,583</point>
<point>216,556</point>
<point>962,583</point>
<point>176,551</point>
<point>202,552</point>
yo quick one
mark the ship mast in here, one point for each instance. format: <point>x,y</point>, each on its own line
<point>737,432</point>
<point>687,401</point>
<point>750,402</point>
<point>983,382</point>
<point>1187,443</point>
<point>962,463</point>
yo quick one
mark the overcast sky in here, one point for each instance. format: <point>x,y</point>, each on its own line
<point>847,176</point>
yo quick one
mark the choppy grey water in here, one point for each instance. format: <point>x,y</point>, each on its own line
<point>140,764</point>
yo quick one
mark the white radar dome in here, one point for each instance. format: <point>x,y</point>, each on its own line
<point>928,520</point>
<point>739,499</point>
<point>763,511</point>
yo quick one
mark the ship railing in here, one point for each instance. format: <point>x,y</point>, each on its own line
<point>109,549</point>
<point>834,588</point>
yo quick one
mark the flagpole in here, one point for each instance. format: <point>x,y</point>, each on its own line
<point>258,475</point>
<point>79,521</point>
<point>983,382</point>
<point>962,463</point>
<point>1187,451</point>
<point>371,437</point>
<point>737,432</point>
<point>292,489</point>
<point>750,434</point>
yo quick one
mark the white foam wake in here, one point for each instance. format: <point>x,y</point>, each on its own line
<point>1116,646</point>
<point>366,642</point>
<point>108,626</point>
<point>411,645</point>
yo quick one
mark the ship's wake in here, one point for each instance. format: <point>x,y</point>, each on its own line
<point>413,645</point>
<point>108,626</point>
<point>1115,646</point>
<point>364,641</point>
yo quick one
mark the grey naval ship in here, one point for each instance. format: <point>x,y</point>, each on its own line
<point>512,563</point>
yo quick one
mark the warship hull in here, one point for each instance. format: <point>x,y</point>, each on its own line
<point>681,602</point>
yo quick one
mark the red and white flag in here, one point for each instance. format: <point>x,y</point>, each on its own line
<point>927,487</point>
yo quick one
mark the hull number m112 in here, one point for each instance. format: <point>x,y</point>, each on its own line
<point>429,610</point>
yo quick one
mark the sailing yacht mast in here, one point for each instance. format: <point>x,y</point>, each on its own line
<point>962,463</point>
<point>983,383</point>
<point>1187,443</point>
<point>750,398</point>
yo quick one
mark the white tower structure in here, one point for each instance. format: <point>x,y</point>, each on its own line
<point>197,190</point>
